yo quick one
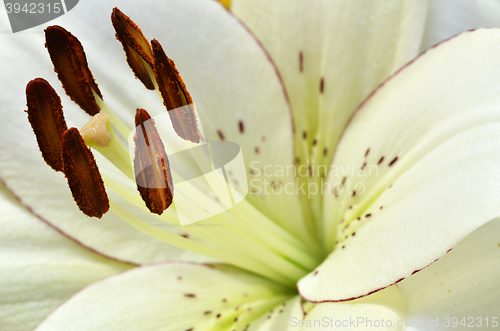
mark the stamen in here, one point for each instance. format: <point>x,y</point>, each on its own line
<point>135,45</point>
<point>151,166</point>
<point>47,120</point>
<point>83,175</point>
<point>70,63</point>
<point>175,95</point>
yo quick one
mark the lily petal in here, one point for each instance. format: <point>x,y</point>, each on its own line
<point>280,317</point>
<point>430,136</point>
<point>214,54</point>
<point>39,268</point>
<point>384,310</point>
<point>461,284</point>
<point>331,55</point>
<point>170,296</point>
<point>447,18</point>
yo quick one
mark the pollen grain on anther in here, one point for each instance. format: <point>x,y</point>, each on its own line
<point>46,117</point>
<point>151,166</point>
<point>136,47</point>
<point>176,97</point>
<point>83,175</point>
<point>70,63</point>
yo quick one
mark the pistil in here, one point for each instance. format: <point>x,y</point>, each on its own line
<point>98,134</point>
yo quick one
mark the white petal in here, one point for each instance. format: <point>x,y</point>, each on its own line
<point>223,67</point>
<point>171,296</point>
<point>345,48</point>
<point>280,317</point>
<point>384,310</point>
<point>447,18</point>
<point>40,268</point>
<point>439,116</point>
<point>463,283</point>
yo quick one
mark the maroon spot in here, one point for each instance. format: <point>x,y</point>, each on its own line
<point>263,138</point>
<point>221,135</point>
<point>242,127</point>
<point>190,329</point>
<point>257,151</point>
<point>218,315</point>
<point>353,234</point>
<point>304,135</point>
<point>322,85</point>
<point>325,151</point>
<point>381,207</point>
<point>381,160</point>
<point>367,151</point>
<point>315,273</point>
<point>343,180</point>
<point>315,142</point>
<point>368,215</point>
<point>208,312</point>
<point>179,277</point>
<point>393,161</point>
<point>224,300</point>
<point>343,246</point>
<point>301,61</point>
<point>297,160</point>
<point>363,166</point>
<point>190,295</point>
<point>353,193</point>
<point>350,207</point>
<point>359,218</point>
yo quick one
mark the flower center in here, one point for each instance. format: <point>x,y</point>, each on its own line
<point>242,236</point>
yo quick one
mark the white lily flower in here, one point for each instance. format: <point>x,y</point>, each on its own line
<point>431,132</point>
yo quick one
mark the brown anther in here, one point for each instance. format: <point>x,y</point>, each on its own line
<point>175,95</point>
<point>152,170</point>
<point>135,45</point>
<point>46,117</point>
<point>70,63</point>
<point>83,175</point>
